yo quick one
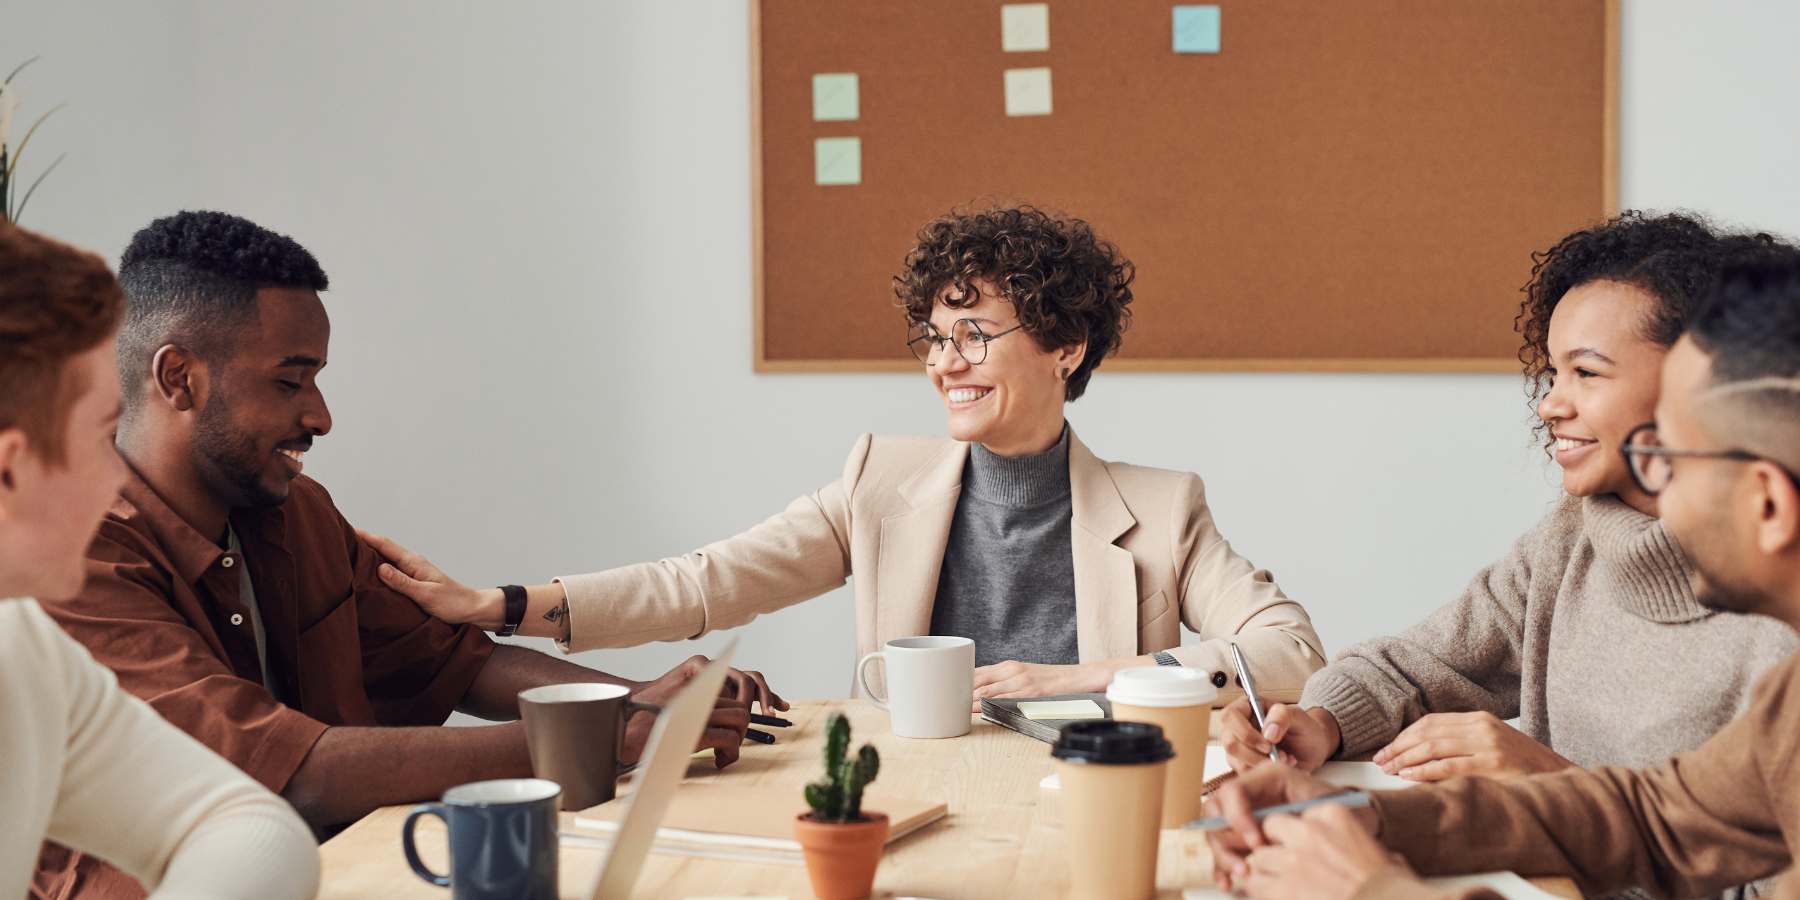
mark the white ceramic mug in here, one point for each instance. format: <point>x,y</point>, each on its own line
<point>930,685</point>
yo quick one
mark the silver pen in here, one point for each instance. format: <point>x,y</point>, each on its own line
<point>1249,684</point>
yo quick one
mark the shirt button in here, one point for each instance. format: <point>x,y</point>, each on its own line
<point>237,619</point>
<point>228,562</point>
<point>1218,679</point>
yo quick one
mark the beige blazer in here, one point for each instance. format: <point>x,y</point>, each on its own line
<point>1147,560</point>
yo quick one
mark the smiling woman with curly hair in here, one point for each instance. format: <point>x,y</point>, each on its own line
<point>1588,632</point>
<point>1061,567</point>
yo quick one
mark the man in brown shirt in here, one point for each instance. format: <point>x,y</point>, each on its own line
<point>1722,457</point>
<point>226,589</point>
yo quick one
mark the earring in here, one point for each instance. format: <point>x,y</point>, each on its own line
<point>1064,374</point>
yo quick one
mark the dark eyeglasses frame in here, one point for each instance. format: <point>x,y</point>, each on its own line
<point>1632,450</point>
<point>941,339</point>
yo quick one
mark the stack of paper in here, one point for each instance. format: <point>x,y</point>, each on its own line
<point>741,822</point>
<point>1007,714</point>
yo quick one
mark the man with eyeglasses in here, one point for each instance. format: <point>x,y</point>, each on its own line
<point>1722,458</point>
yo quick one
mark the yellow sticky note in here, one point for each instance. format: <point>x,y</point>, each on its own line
<point>702,754</point>
<point>1062,709</point>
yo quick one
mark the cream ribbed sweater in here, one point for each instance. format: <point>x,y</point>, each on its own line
<point>1588,632</point>
<point>96,769</point>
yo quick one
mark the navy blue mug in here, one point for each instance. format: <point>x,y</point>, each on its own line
<point>502,840</point>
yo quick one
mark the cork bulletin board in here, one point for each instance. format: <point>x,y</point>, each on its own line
<point>1354,185</point>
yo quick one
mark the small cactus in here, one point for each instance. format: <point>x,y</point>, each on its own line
<point>838,796</point>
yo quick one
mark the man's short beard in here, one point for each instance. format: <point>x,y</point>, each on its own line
<point>236,467</point>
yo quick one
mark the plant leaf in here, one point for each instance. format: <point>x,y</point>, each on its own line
<point>9,76</point>
<point>20,150</point>
<point>14,216</point>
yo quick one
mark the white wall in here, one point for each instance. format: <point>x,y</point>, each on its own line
<point>537,228</point>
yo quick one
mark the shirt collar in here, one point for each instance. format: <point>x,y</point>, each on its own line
<point>191,552</point>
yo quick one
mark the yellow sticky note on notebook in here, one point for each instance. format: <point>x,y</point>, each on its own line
<point>1062,709</point>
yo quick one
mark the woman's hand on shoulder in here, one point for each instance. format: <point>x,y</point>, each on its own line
<point>1445,745</point>
<point>436,593</point>
<point>1020,679</point>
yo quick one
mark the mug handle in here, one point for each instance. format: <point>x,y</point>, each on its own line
<point>412,853</point>
<point>632,708</point>
<point>862,681</point>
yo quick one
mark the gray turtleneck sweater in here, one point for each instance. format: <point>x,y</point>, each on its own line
<point>1008,580</point>
<point>1588,632</point>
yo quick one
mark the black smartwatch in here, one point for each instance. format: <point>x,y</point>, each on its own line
<point>515,609</point>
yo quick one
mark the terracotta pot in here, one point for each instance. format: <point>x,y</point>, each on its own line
<point>841,856</point>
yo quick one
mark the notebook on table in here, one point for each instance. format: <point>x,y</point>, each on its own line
<point>1006,714</point>
<point>747,822</point>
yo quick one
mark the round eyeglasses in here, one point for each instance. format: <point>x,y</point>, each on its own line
<point>971,343</point>
<point>1651,462</point>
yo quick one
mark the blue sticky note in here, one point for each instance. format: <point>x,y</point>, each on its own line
<point>1196,29</point>
<point>837,160</point>
<point>835,97</point>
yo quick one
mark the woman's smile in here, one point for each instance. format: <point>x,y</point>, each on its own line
<point>1570,450</point>
<point>965,396</point>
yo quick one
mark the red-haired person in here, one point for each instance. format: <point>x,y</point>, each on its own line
<point>87,764</point>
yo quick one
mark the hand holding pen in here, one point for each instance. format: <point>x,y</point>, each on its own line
<point>1249,684</point>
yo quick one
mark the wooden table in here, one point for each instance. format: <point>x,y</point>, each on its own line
<point>1002,839</point>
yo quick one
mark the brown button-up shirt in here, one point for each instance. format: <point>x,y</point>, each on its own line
<point>161,609</point>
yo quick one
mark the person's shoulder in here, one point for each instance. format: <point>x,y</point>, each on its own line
<point>903,453</point>
<point>30,634</point>
<point>1559,534</point>
<point>1146,488</point>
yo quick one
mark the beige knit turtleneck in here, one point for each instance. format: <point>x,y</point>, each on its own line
<point>1587,631</point>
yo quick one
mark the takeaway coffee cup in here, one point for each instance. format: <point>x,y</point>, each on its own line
<point>1180,702</point>
<point>930,685</point>
<point>575,734</point>
<point>1112,790</point>
<point>502,840</point>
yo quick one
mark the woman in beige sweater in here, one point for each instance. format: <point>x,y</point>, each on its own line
<point>1588,631</point>
<point>1061,566</point>
<point>86,764</point>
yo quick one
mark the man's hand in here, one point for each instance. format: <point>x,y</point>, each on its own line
<point>436,593</point>
<point>1017,679</point>
<point>744,687</point>
<point>1269,784</point>
<point>1306,738</point>
<point>724,732</point>
<point>1445,745</point>
<point>1326,853</point>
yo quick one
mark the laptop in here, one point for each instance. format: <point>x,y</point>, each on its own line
<point>653,783</point>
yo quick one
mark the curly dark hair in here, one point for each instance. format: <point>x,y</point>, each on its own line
<point>1675,257</point>
<point>1067,285</point>
<point>56,302</point>
<point>191,279</point>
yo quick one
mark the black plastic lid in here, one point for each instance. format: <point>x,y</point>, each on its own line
<point>1106,742</point>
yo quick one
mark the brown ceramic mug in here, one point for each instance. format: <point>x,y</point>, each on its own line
<point>576,734</point>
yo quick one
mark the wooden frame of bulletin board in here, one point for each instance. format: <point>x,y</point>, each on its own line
<point>1347,186</point>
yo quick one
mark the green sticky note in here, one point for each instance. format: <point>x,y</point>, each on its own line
<point>837,160</point>
<point>835,97</point>
<point>1062,709</point>
<point>1196,29</point>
